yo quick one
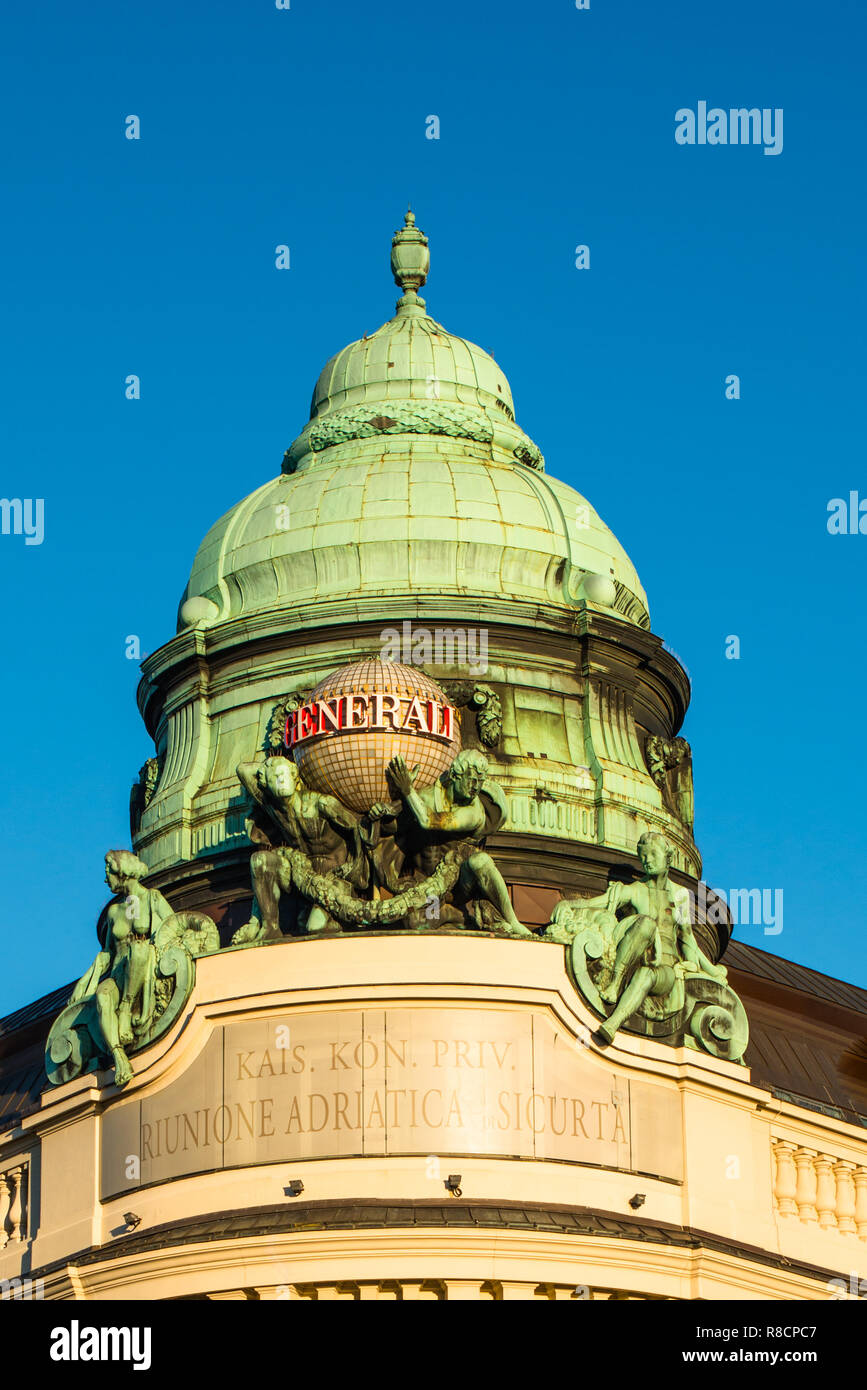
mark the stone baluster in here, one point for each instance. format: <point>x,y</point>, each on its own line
<point>843,1172</point>
<point>4,1210</point>
<point>826,1191</point>
<point>805,1193</point>
<point>16,1210</point>
<point>785,1185</point>
<point>13,1226</point>
<point>860,1179</point>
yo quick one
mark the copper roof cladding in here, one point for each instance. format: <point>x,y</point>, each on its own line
<point>808,1037</point>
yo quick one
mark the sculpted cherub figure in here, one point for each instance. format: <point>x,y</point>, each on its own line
<point>456,814</point>
<point>655,943</point>
<point>310,821</point>
<point>122,977</point>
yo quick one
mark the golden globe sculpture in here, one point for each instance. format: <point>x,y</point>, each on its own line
<point>360,717</point>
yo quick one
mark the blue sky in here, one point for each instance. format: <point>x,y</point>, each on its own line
<point>307,127</point>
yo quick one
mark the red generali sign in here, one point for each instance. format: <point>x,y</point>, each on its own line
<point>378,712</point>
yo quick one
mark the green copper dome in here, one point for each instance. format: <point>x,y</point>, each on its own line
<point>411,481</point>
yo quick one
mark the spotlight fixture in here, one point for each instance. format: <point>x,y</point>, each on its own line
<point>453,1184</point>
<point>132,1219</point>
<point>294,1188</point>
<point>637,1201</point>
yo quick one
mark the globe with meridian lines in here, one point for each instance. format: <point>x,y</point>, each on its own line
<point>384,709</point>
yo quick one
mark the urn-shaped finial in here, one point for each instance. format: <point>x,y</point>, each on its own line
<point>410,257</point>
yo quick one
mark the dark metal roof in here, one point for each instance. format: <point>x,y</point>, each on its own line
<point>808,1032</point>
<point>740,956</point>
<point>370,1213</point>
<point>48,1007</point>
<point>20,1091</point>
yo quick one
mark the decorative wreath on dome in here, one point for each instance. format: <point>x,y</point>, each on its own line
<point>419,417</point>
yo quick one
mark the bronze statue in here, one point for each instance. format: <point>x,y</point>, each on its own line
<point>409,863</point>
<point>452,817</point>
<point>634,953</point>
<point>138,982</point>
<point>122,977</point>
<point>316,824</point>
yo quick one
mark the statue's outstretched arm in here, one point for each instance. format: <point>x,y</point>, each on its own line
<point>402,778</point>
<point>610,900</point>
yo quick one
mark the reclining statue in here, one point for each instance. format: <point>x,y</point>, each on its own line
<point>122,977</point>
<point>144,962</point>
<point>634,955</point>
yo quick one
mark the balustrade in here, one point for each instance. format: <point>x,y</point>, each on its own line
<point>820,1189</point>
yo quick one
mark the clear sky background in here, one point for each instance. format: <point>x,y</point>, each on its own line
<point>306,126</point>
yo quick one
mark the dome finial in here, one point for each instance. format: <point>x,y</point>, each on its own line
<point>410,262</point>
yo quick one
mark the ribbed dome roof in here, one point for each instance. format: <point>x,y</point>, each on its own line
<point>414,518</point>
<point>412,357</point>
